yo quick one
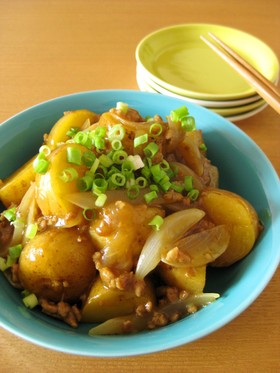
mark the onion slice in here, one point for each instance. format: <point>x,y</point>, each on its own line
<point>173,228</point>
<point>132,323</point>
<point>198,249</point>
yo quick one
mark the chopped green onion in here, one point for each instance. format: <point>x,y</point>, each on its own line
<point>122,106</point>
<point>165,185</point>
<point>150,196</point>
<point>88,158</point>
<point>84,183</point>
<point>10,214</point>
<point>154,187</point>
<point>179,113</point>
<point>74,155</point>
<point>105,160</point>
<point>159,175</point>
<point>203,147</point>
<point>155,129</point>
<point>83,139</point>
<point>136,160</point>
<point>94,166</point>
<point>188,123</point>
<point>188,182</point>
<point>133,191</point>
<point>146,172</point>
<point>118,179</point>
<point>31,231</point>
<point>117,132</point>
<point>99,143</point>
<point>69,174</point>
<point>72,132</point>
<point>116,144</point>
<point>119,156</point>
<point>100,200</point>
<point>127,166</point>
<point>141,181</point>
<point>99,132</point>
<point>151,149</point>
<point>3,264</point>
<point>100,185</point>
<point>14,251</point>
<point>30,301</point>
<point>193,194</point>
<point>40,165</point>
<point>156,222</point>
<point>45,150</point>
<point>177,187</point>
<point>89,214</point>
<point>140,140</point>
<point>164,165</point>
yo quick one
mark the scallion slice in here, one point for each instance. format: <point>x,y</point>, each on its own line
<point>151,149</point>
<point>69,174</point>
<point>155,129</point>
<point>150,196</point>
<point>74,155</point>
<point>30,301</point>
<point>31,231</point>
<point>140,140</point>
<point>10,214</point>
<point>156,222</point>
<point>84,183</point>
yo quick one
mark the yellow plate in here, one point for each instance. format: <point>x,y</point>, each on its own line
<point>177,59</point>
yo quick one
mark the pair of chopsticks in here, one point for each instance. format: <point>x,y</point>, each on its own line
<point>261,84</point>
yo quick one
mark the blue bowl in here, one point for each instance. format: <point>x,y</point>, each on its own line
<point>244,169</point>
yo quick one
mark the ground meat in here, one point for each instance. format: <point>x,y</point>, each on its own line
<point>62,310</point>
<point>6,234</point>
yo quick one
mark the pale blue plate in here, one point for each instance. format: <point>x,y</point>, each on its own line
<point>244,169</point>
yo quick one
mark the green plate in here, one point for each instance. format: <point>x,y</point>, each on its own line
<point>176,58</point>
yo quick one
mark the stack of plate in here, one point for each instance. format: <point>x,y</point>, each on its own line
<point>174,61</point>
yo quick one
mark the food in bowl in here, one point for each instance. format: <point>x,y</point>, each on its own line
<point>116,219</point>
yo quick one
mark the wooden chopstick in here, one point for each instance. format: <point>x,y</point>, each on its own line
<point>261,85</point>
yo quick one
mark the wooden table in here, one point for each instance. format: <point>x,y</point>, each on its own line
<point>52,48</point>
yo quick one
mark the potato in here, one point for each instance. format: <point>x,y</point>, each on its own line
<point>104,303</point>
<point>51,189</point>
<point>16,185</point>
<point>57,264</point>
<point>70,119</point>
<point>237,214</point>
<point>190,279</point>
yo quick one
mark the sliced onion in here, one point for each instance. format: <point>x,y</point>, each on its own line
<point>119,325</point>
<point>198,249</point>
<point>173,228</point>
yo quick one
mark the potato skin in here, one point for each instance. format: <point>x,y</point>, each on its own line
<point>104,303</point>
<point>239,216</point>
<point>190,279</point>
<point>57,264</point>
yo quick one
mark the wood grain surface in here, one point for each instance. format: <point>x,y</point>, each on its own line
<point>52,48</point>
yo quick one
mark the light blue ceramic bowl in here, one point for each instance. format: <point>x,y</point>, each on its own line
<point>244,169</point>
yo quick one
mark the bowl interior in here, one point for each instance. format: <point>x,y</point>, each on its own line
<point>244,169</point>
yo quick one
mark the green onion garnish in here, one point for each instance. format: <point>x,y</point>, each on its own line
<point>89,214</point>
<point>151,149</point>
<point>31,231</point>
<point>193,194</point>
<point>118,179</point>
<point>74,155</point>
<point>150,196</point>
<point>14,251</point>
<point>141,181</point>
<point>122,106</point>
<point>156,222</point>
<point>40,164</point>
<point>45,150</point>
<point>100,185</point>
<point>117,132</point>
<point>69,174</point>
<point>203,147</point>
<point>119,156</point>
<point>3,264</point>
<point>133,191</point>
<point>188,182</point>
<point>84,183</point>
<point>105,160</point>
<point>179,113</point>
<point>140,140</point>
<point>10,214</point>
<point>188,123</point>
<point>88,158</point>
<point>155,129</point>
<point>100,200</point>
<point>30,301</point>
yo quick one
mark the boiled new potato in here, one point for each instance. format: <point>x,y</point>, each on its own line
<point>16,185</point>
<point>71,119</point>
<point>57,264</point>
<point>51,189</point>
<point>240,218</point>
<point>104,303</point>
<point>190,279</point>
